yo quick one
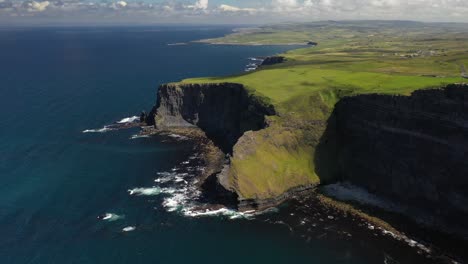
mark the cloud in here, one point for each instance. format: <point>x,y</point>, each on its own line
<point>259,11</point>
<point>37,6</point>
<point>229,8</point>
<point>385,3</point>
<point>200,4</point>
<point>119,5</point>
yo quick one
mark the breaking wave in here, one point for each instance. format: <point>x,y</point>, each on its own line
<point>100,130</point>
<point>180,192</point>
<point>123,123</point>
<point>129,120</point>
<point>145,191</point>
<point>253,64</point>
<point>139,136</point>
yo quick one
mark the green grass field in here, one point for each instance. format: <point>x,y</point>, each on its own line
<point>351,58</point>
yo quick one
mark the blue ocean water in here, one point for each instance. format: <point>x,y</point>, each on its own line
<point>55,180</point>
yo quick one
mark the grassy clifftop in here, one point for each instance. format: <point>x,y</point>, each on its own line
<point>353,58</point>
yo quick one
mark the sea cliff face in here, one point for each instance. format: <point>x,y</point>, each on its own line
<point>412,150</point>
<point>223,111</point>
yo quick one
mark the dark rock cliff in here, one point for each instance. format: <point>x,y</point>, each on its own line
<point>410,149</point>
<point>223,111</point>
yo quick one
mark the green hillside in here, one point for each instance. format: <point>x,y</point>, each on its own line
<point>351,58</point>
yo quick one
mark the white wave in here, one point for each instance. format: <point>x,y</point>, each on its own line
<point>179,179</point>
<point>111,217</point>
<point>139,136</point>
<point>175,202</point>
<point>145,191</point>
<point>230,213</point>
<point>255,59</point>
<point>250,69</point>
<point>221,211</point>
<point>165,177</point>
<point>108,128</point>
<point>100,130</point>
<point>129,120</point>
<point>183,194</point>
<point>129,229</point>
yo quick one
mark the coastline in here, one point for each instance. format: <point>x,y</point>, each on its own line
<point>211,42</point>
<point>271,197</point>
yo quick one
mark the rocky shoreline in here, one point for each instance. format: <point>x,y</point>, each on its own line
<point>311,205</point>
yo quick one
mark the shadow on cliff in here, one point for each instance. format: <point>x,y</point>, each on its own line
<point>327,165</point>
<point>215,194</point>
<point>411,150</point>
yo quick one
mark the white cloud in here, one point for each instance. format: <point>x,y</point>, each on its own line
<point>229,8</point>
<point>118,5</point>
<point>265,11</point>
<point>37,6</point>
<point>121,3</point>
<point>200,4</point>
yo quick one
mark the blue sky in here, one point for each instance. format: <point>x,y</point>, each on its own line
<point>225,11</point>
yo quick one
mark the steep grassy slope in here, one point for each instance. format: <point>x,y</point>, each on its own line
<point>350,59</point>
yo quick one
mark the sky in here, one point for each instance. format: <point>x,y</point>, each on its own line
<point>62,12</point>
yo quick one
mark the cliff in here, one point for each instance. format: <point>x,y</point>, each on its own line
<point>412,150</point>
<point>409,149</point>
<point>223,111</point>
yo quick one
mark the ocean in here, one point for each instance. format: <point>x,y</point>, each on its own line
<point>73,190</point>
